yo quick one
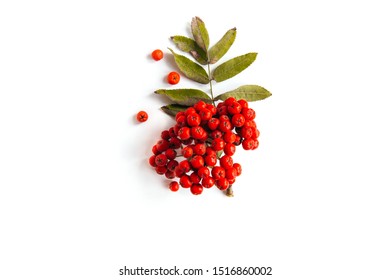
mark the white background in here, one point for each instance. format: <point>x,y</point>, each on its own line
<point>78,199</point>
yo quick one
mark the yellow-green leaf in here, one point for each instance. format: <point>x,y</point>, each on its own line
<point>247,92</point>
<point>233,66</point>
<point>200,33</point>
<point>191,69</point>
<point>186,44</point>
<point>222,46</point>
<point>185,96</point>
<point>173,109</point>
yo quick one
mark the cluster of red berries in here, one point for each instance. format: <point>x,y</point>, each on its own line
<point>205,135</point>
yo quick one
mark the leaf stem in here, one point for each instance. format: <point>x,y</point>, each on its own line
<point>211,84</point>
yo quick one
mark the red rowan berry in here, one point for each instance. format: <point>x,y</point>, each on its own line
<point>222,184</point>
<point>218,144</point>
<point>161,169</point>
<point>207,182</point>
<point>197,162</point>
<point>248,144</point>
<point>200,149</point>
<point>142,116</point>
<point>226,161</point>
<point>173,78</point>
<point>218,172</point>
<point>152,161</point>
<point>157,55</point>
<point>185,181</point>
<point>238,167</point>
<point>170,153</point>
<point>196,189</point>
<point>193,119</point>
<point>184,133</point>
<point>203,172</point>
<point>229,149</point>
<point>174,186</point>
<point>187,152</point>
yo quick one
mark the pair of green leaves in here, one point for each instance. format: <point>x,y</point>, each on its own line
<point>198,48</point>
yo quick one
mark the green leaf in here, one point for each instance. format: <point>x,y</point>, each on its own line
<point>173,109</point>
<point>247,92</point>
<point>222,46</point>
<point>200,33</point>
<point>191,69</point>
<point>185,96</point>
<point>186,44</point>
<point>233,66</point>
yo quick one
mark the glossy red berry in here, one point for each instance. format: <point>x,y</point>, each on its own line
<point>184,133</point>
<point>208,182</point>
<point>248,144</point>
<point>226,161</point>
<point>161,160</point>
<point>174,186</point>
<point>157,55</point>
<point>229,149</point>
<point>142,116</point>
<point>222,184</point>
<point>185,181</point>
<point>217,144</point>
<point>203,172</point>
<point>193,119</point>
<point>197,162</point>
<point>218,172</point>
<point>173,78</point>
<point>196,189</point>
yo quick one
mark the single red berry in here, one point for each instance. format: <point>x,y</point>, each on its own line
<point>169,174</point>
<point>225,126</point>
<point>247,132</point>
<point>200,149</point>
<point>196,189</point>
<point>155,150</point>
<point>170,153</point>
<point>222,184</point>
<point>152,161</point>
<point>248,144</point>
<point>197,162</point>
<point>185,181</point>
<point>203,172</point>
<point>217,144</point>
<point>222,110</point>
<point>174,143</point>
<point>193,119</point>
<point>234,108</point>
<point>229,137</point>
<point>238,167</point>
<point>173,78</point>
<point>189,110</point>
<point>195,178</point>
<point>184,133</point>
<point>248,113</point>
<point>174,186</point>
<point>213,123</point>
<point>257,133</point>
<point>187,152</point>
<point>179,114</point>
<point>142,116</point>
<point>231,173</point>
<point>226,161</point>
<point>243,103</point>
<point>171,165</point>
<point>161,160</point>
<point>238,120</point>
<point>200,105</point>
<point>229,149</point>
<point>229,101</point>
<point>210,151</point>
<point>157,55</point>
<point>237,142</point>
<point>162,145</point>
<point>185,165</point>
<point>205,114</point>
<point>211,160</point>
<point>165,135</point>
<point>208,182</point>
<point>161,169</point>
<point>218,172</point>
<point>181,121</point>
<point>212,109</point>
<point>198,132</point>
<point>216,134</point>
